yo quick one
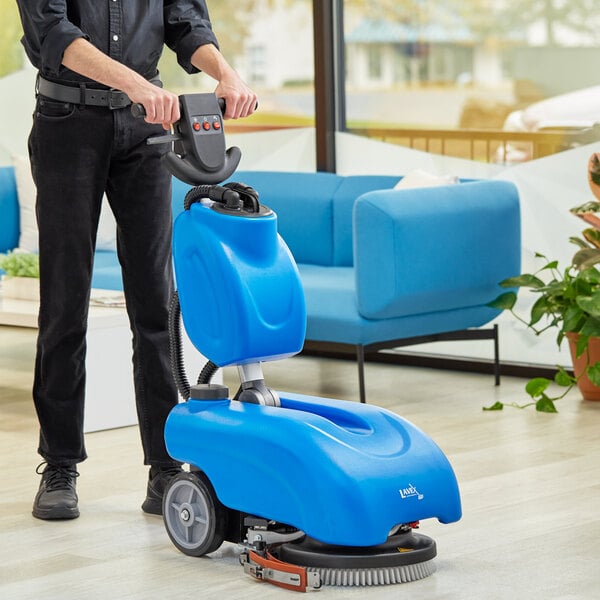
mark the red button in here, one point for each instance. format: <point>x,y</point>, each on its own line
<point>196,126</point>
<point>216,125</point>
<point>206,125</point>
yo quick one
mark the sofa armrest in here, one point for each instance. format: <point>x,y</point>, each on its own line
<point>430,249</point>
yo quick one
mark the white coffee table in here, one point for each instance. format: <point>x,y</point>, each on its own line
<point>110,400</point>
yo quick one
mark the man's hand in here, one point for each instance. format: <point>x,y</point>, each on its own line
<point>240,100</point>
<point>161,105</point>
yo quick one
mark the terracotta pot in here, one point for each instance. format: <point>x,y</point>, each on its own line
<point>588,390</point>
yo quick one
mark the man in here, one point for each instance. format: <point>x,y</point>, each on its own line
<point>95,58</point>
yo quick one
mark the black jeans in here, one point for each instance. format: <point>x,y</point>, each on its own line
<point>76,154</point>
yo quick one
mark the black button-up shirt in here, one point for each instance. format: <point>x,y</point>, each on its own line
<point>132,32</point>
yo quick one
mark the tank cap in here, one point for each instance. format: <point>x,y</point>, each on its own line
<point>209,391</point>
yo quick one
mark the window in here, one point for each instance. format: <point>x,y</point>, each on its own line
<point>270,43</point>
<point>11,51</point>
<point>374,60</point>
<point>471,64</point>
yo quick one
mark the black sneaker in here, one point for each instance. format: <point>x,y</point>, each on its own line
<point>158,479</point>
<point>56,497</point>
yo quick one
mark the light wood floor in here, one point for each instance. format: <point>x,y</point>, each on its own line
<point>530,487</point>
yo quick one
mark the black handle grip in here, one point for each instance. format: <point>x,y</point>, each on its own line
<point>138,110</point>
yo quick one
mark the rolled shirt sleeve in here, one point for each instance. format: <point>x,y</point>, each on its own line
<point>187,27</point>
<point>48,32</point>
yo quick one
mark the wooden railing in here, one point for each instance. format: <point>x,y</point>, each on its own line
<point>486,145</point>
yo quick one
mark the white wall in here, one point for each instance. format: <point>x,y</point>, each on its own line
<point>17,101</point>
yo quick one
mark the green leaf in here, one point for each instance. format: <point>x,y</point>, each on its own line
<point>579,242</point>
<point>591,328</point>
<point>525,280</point>
<point>496,406</point>
<point>563,378</point>
<point>593,372</point>
<point>591,206</point>
<point>586,257</point>
<point>551,265</point>
<point>590,304</point>
<point>545,404</point>
<point>504,301</point>
<point>591,275</point>
<point>540,308</point>
<point>573,319</point>
<point>537,386</point>
<point>582,344</point>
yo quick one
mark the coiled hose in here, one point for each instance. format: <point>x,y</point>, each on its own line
<point>176,352</point>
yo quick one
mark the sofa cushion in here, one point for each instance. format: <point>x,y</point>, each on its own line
<point>303,203</point>
<point>332,314</point>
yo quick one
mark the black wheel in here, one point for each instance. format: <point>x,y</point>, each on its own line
<point>194,518</point>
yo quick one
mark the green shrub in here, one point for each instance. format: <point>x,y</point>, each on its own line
<point>20,264</point>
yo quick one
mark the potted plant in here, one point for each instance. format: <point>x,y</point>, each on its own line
<point>21,275</point>
<point>569,303</point>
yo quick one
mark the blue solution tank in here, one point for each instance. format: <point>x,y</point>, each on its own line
<point>239,289</point>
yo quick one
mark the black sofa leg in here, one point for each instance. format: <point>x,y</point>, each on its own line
<point>496,356</point>
<point>360,359</point>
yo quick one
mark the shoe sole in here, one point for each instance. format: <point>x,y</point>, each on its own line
<point>61,513</point>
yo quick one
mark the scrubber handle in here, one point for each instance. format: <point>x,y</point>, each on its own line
<point>199,155</point>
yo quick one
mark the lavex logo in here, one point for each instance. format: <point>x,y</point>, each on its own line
<point>410,492</point>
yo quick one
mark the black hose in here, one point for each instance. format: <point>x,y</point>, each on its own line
<point>176,351</point>
<point>221,194</point>
<point>176,348</point>
<point>209,369</point>
<point>195,194</point>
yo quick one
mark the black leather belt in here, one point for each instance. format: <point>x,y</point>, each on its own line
<point>83,95</point>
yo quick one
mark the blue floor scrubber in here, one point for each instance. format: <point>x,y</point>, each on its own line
<point>316,491</point>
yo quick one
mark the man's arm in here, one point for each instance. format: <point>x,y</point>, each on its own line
<point>161,105</point>
<point>240,100</point>
<point>84,58</point>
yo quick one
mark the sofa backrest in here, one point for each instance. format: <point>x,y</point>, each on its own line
<point>9,210</point>
<point>304,206</point>
<point>315,210</point>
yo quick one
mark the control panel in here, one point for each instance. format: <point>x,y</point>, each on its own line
<point>206,123</point>
<point>201,131</point>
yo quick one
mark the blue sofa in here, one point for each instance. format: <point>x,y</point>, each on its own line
<point>381,268</point>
